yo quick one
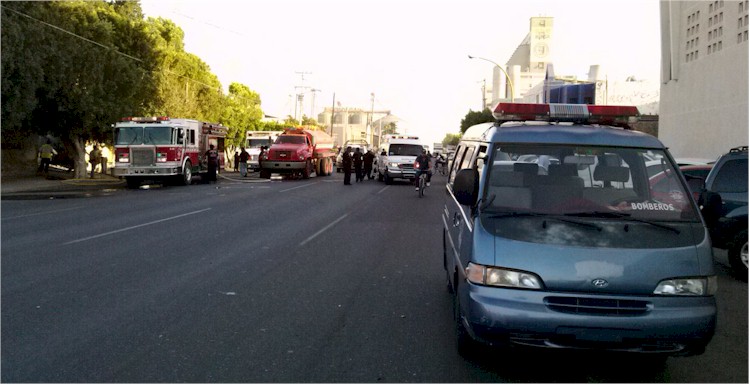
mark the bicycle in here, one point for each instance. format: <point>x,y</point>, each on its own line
<point>422,184</point>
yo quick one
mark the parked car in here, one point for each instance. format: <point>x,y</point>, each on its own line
<point>695,175</point>
<point>724,207</point>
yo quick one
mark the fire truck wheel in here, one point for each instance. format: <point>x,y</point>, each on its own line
<point>187,173</point>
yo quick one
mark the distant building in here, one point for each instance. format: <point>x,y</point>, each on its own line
<point>351,123</point>
<point>595,90</point>
<point>526,67</point>
<point>704,77</point>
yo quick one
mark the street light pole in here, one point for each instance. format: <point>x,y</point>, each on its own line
<point>510,82</point>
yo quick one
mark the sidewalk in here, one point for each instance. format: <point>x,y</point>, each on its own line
<point>61,180</point>
<point>56,180</point>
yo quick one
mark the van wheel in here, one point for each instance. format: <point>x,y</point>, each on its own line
<point>464,343</point>
<point>738,255</point>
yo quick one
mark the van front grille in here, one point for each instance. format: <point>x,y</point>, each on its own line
<point>597,306</point>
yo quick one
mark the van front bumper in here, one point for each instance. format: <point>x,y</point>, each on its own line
<point>398,173</point>
<point>647,324</point>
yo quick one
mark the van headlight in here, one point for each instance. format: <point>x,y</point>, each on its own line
<point>392,165</point>
<point>496,276</point>
<point>688,286</point>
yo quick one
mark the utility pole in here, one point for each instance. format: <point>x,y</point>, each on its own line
<point>369,119</point>
<point>312,107</point>
<point>300,94</point>
<point>333,110</point>
<point>484,94</point>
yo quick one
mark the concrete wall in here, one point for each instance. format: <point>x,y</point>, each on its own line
<point>703,109</point>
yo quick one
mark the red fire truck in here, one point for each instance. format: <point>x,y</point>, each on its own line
<point>162,149</point>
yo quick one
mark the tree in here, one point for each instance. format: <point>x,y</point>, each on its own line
<point>451,140</point>
<point>389,129</point>
<point>82,73</point>
<point>475,117</point>
<point>241,113</point>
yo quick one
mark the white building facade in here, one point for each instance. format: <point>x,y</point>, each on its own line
<point>351,123</point>
<point>703,108</point>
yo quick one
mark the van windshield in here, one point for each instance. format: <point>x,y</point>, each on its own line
<point>405,149</point>
<point>586,181</point>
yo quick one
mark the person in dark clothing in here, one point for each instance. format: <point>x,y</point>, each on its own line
<point>346,164</point>
<point>244,156</point>
<point>422,165</point>
<point>357,158</point>
<point>236,161</point>
<point>212,158</point>
<point>369,157</point>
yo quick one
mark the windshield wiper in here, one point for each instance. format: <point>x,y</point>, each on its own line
<point>625,216</point>
<point>544,223</point>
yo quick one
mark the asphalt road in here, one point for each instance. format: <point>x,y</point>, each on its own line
<point>290,281</point>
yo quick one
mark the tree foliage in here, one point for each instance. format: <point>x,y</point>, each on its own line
<point>451,139</point>
<point>476,117</point>
<point>72,68</point>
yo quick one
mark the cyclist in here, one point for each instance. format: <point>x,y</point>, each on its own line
<point>422,165</point>
<point>440,163</point>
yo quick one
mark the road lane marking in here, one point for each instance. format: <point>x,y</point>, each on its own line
<point>294,188</point>
<point>323,229</point>
<point>382,189</point>
<point>44,213</point>
<point>135,227</point>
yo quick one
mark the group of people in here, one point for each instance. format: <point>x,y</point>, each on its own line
<point>241,157</point>
<point>362,164</point>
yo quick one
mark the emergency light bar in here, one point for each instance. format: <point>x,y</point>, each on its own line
<point>146,119</point>
<point>402,137</point>
<point>622,116</point>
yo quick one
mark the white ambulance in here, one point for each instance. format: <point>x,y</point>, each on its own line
<point>396,156</point>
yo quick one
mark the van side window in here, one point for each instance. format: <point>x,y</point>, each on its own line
<point>468,156</point>
<point>481,158</point>
<point>456,162</point>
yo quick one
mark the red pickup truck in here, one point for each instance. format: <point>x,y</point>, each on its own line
<point>299,152</point>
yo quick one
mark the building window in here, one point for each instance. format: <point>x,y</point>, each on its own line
<point>710,35</point>
<point>744,36</point>
<point>739,23</point>
<point>710,8</point>
<point>542,23</point>
<point>741,6</point>
<point>719,45</point>
<point>721,31</point>
<point>338,119</point>
<point>355,119</point>
<point>721,16</point>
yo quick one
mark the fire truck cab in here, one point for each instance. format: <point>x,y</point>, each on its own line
<point>163,149</point>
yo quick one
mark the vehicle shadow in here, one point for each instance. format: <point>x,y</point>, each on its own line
<point>522,365</point>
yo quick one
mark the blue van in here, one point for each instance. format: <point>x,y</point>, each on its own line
<point>555,236</point>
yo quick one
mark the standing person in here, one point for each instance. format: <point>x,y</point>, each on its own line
<point>212,157</point>
<point>45,153</point>
<point>94,156</point>
<point>237,160</point>
<point>242,159</point>
<point>346,164</point>
<point>369,157</point>
<point>357,158</point>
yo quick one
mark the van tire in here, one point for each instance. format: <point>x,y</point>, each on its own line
<point>465,345</point>
<point>737,254</point>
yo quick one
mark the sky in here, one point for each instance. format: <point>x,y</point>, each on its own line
<point>411,54</point>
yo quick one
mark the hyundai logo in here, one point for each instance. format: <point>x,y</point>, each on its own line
<point>600,282</point>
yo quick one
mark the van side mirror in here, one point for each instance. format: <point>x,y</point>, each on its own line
<point>466,186</point>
